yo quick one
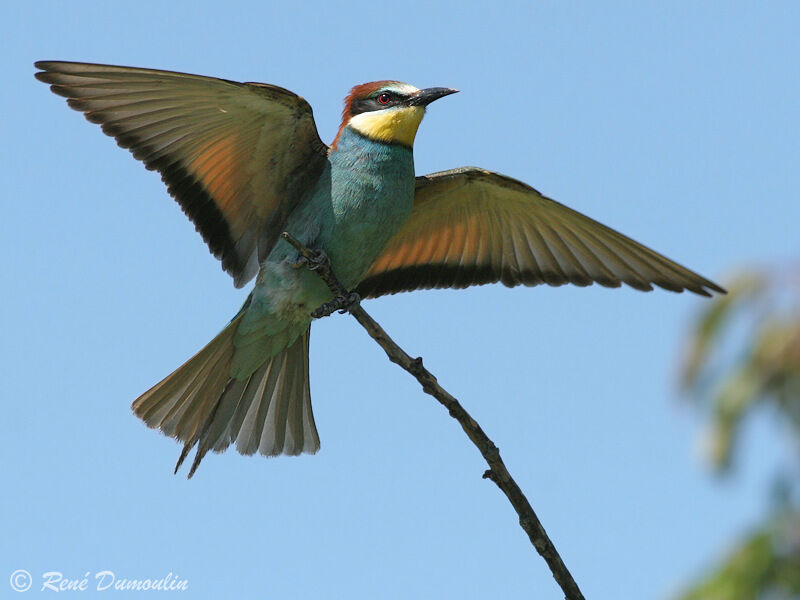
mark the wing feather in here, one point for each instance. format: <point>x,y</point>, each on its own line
<point>236,156</point>
<point>470,227</point>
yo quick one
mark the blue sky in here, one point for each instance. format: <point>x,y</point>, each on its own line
<point>676,124</point>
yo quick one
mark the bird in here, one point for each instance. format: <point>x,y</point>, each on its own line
<point>245,162</point>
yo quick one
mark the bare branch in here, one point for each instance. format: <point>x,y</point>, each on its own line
<point>497,472</point>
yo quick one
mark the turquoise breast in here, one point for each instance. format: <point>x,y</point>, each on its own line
<point>371,194</point>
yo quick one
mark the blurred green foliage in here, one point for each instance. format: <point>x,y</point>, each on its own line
<point>744,355</point>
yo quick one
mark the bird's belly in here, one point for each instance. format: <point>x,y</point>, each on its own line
<point>288,292</point>
<point>358,244</point>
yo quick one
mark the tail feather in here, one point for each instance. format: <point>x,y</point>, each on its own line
<point>253,389</point>
<point>268,412</point>
<point>250,391</point>
<point>209,382</point>
<point>274,415</point>
<point>186,396</point>
<point>249,440</point>
<point>219,434</point>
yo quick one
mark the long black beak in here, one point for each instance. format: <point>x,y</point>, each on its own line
<point>428,95</point>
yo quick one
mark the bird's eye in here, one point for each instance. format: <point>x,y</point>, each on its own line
<point>384,98</point>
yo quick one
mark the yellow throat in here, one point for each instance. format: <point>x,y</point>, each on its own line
<point>393,125</point>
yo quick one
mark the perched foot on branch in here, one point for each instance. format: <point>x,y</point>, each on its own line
<point>341,303</point>
<point>312,263</point>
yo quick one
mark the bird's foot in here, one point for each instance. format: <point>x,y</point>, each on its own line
<point>341,303</point>
<point>318,259</point>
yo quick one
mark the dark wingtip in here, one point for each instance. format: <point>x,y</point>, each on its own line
<point>708,289</point>
<point>717,288</point>
<point>45,66</point>
<point>48,72</point>
<point>44,76</point>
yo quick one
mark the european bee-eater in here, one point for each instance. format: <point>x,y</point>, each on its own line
<point>245,163</point>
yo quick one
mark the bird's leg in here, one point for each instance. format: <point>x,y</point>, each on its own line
<point>343,303</point>
<point>317,260</point>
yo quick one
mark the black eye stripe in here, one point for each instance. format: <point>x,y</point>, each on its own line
<point>374,102</point>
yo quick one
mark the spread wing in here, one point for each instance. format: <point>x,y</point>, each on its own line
<point>469,227</point>
<point>236,156</point>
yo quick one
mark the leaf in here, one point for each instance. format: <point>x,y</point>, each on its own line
<point>710,326</point>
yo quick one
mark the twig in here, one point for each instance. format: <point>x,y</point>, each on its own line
<point>497,472</point>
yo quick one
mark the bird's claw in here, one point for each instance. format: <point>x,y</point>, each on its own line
<point>341,303</point>
<point>318,259</point>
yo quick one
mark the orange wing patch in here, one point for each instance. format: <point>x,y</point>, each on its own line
<point>451,244</point>
<point>213,166</point>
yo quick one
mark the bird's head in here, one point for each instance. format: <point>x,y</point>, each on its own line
<point>388,111</point>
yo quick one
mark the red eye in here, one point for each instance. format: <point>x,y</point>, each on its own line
<point>384,98</point>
